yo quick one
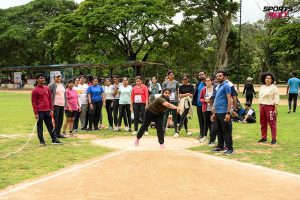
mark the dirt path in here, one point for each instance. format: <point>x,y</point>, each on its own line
<point>146,172</point>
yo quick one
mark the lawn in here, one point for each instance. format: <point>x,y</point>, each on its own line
<point>17,120</point>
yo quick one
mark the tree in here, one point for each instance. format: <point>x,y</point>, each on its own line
<point>124,30</point>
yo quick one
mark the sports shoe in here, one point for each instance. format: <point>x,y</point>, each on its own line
<point>96,129</point>
<point>116,128</point>
<point>228,152</point>
<point>262,140</point>
<point>289,111</point>
<point>203,140</point>
<point>89,129</point>
<point>126,128</point>
<point>218,149</point>
<point>273,142</point>
<point>76,130</point>
<point>42,144</point>
<point>162,146</point>
<point>146,133</point>
<point>137,142</point>
<point>200,137</point>
<point>189,133</point>
<point>56,142</point>
<point>134,133</point>
<point>211,144</point>
<point>61,136</point>
<point>176,135</point>
<point>110,128</point>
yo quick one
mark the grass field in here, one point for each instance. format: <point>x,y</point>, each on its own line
<point>17,120</point>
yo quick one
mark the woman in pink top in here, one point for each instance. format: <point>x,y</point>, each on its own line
<point>139,101</point>
<point>72,107</point>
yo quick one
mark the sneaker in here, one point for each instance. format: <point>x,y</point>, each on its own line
<point>176,135</point>
<point>200,137</point>
<point>137,142</point>
<point>218,149</point>
<point>203,140</point>
<point>57,142</point>
<point>61,136</point>
<point>126,128</point>
<point>89,129</point>
<point>162,146</point>
<point>167,129</point>
<point>273,142</point>
<point>189,133</point>
<point>76,130</point>
<point>96,129</point>
<point>42,144</point>
<point>110,128</point>
<point>262,140</point>
<point>146,133</point>
<point>211,144</point>
<point>228,152</point>
<point>84,129</point>
<point>289,111</point>
<point>134,133</point>
<point>116,128</point>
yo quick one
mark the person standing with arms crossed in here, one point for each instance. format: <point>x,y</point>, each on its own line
<point>58,91</point>
<point>155,112</point>
<point>43,109</point>
<point>108,90</point>
<point>139,101</point>
<point>268,104</point>
<point>96,100</point>
<point>196,102</point>
<point>173,85</point>
<point>221,114</point>
<point>292,91</point>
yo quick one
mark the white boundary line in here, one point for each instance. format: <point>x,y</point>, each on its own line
<point>72,169</point>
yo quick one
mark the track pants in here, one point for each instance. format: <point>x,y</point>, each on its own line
<point>294,98</point>
<point>158,119</point>
<point>58,117</point>
<point>109,110</point>
<point>125,113</point>
<point>94,115</point>
<point>46,117</point>
<point>267,116</point>
<point>224,131</point>
<point>139,112</point>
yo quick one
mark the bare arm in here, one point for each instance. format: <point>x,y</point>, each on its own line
<point>169,105</point>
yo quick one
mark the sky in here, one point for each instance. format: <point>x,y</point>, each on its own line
<point>251,9</point>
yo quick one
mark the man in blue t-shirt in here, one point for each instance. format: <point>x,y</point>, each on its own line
<point>221,114</point>
<point>196,101</point>
<point>293,91</point>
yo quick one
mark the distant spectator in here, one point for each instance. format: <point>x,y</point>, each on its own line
<point>249,89</point>
<point>293,91</point>
<point>249,115</point>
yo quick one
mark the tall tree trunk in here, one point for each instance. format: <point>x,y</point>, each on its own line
<point>222,56</point>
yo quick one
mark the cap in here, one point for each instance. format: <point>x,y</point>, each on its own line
<point>57,74</point>
<point>249,79</point>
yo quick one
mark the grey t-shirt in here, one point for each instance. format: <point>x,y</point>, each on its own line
<point>173,86</point>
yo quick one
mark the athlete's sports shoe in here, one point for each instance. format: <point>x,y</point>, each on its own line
<point>126,128</point>
<point>203,140</point>
<point>57,142</point>
<point>134,133</point>
<point>146,133</point>
<point>162,146</point>
<point>273,142</point>
<point>176,135</point>
<point>116,128</point>
<point>42,144</point>
<point>228,152</point>
<point>137,142</point>
<point>262,141</point>
<point>189,133</point>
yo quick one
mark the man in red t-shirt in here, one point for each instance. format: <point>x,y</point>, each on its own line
<point>42,106</point>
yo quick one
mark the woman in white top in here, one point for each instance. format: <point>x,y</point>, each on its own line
<point>268,103</point>
<point>124,103</point>
<point>108,90</point>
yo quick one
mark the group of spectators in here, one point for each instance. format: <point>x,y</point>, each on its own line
<point>215,99</point>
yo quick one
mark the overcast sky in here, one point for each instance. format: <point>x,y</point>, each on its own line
<point>251,9</point>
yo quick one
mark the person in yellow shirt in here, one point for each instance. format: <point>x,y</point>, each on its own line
<point>268,103</point>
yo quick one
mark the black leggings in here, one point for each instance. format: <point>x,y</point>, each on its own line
<point>158,119</point>
<point>207,122</point>
<point>116,112</point>
<point>94,115</point>
<point>139,112</point>
<point>249,97</point>
<point>109,110</point>
<point>58,117</point>
<point>294,98</point>
<point>124,112</point>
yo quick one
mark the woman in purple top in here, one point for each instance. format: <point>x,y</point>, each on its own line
<point>72,107</point>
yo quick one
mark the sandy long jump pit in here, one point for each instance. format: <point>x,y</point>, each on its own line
<point>146,172</point>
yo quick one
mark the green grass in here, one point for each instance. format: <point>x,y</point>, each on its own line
<point>17,118</point>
